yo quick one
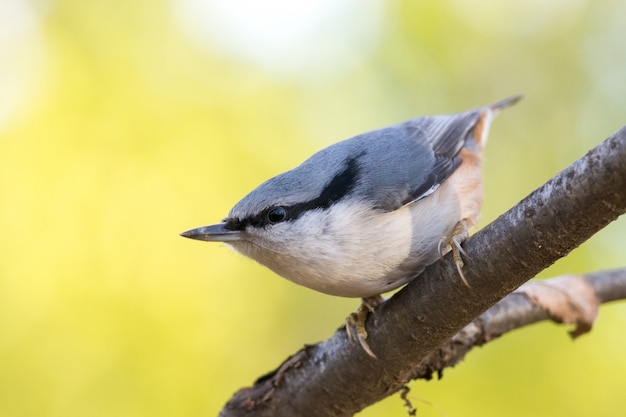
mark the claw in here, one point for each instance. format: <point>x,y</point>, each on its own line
<point>459,234</point>
<point>440,247</point>
<point>355,322</point>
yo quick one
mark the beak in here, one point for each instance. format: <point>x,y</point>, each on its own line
<point>213,233</point>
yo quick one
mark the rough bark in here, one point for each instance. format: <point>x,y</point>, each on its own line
<point>569,300</point>
<point>336,378</point>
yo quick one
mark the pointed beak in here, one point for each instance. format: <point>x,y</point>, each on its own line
<point>213,233</point>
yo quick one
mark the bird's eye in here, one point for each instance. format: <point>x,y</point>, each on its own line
<point>276,215</point>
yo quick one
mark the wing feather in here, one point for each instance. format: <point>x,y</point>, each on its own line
<point>415,158</point>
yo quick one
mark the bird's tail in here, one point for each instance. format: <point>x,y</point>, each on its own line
<point>487,114</point>
<point>499,105</point>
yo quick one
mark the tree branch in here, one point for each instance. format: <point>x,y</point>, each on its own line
<point>336,378</point>
<point>568,300</point>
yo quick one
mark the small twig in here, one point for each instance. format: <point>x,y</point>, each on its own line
<point>412,411</point>
<point>520,309</point>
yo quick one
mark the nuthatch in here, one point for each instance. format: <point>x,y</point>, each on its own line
<point>368,214</point>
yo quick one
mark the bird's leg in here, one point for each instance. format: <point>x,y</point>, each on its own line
<point>355,322</point>
<point>453,242</point>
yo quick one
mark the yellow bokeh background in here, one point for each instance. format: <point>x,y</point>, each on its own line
<point>124,123</point>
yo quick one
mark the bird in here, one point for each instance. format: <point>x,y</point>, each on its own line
<point>368,214</point>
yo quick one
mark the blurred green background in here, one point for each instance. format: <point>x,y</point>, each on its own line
<point>125,123</point>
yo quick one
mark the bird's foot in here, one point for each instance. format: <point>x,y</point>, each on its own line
<point>453,243</point>
<point>355,322</point>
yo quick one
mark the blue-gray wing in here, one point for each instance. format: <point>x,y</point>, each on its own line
<point>407,162</point>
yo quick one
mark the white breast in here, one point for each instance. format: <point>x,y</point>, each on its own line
<point>352,251</point>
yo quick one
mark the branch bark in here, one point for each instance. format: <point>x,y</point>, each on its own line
<point>336,378</point>
<point>570,300</point>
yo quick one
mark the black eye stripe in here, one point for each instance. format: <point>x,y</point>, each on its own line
<point>340,185</point>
